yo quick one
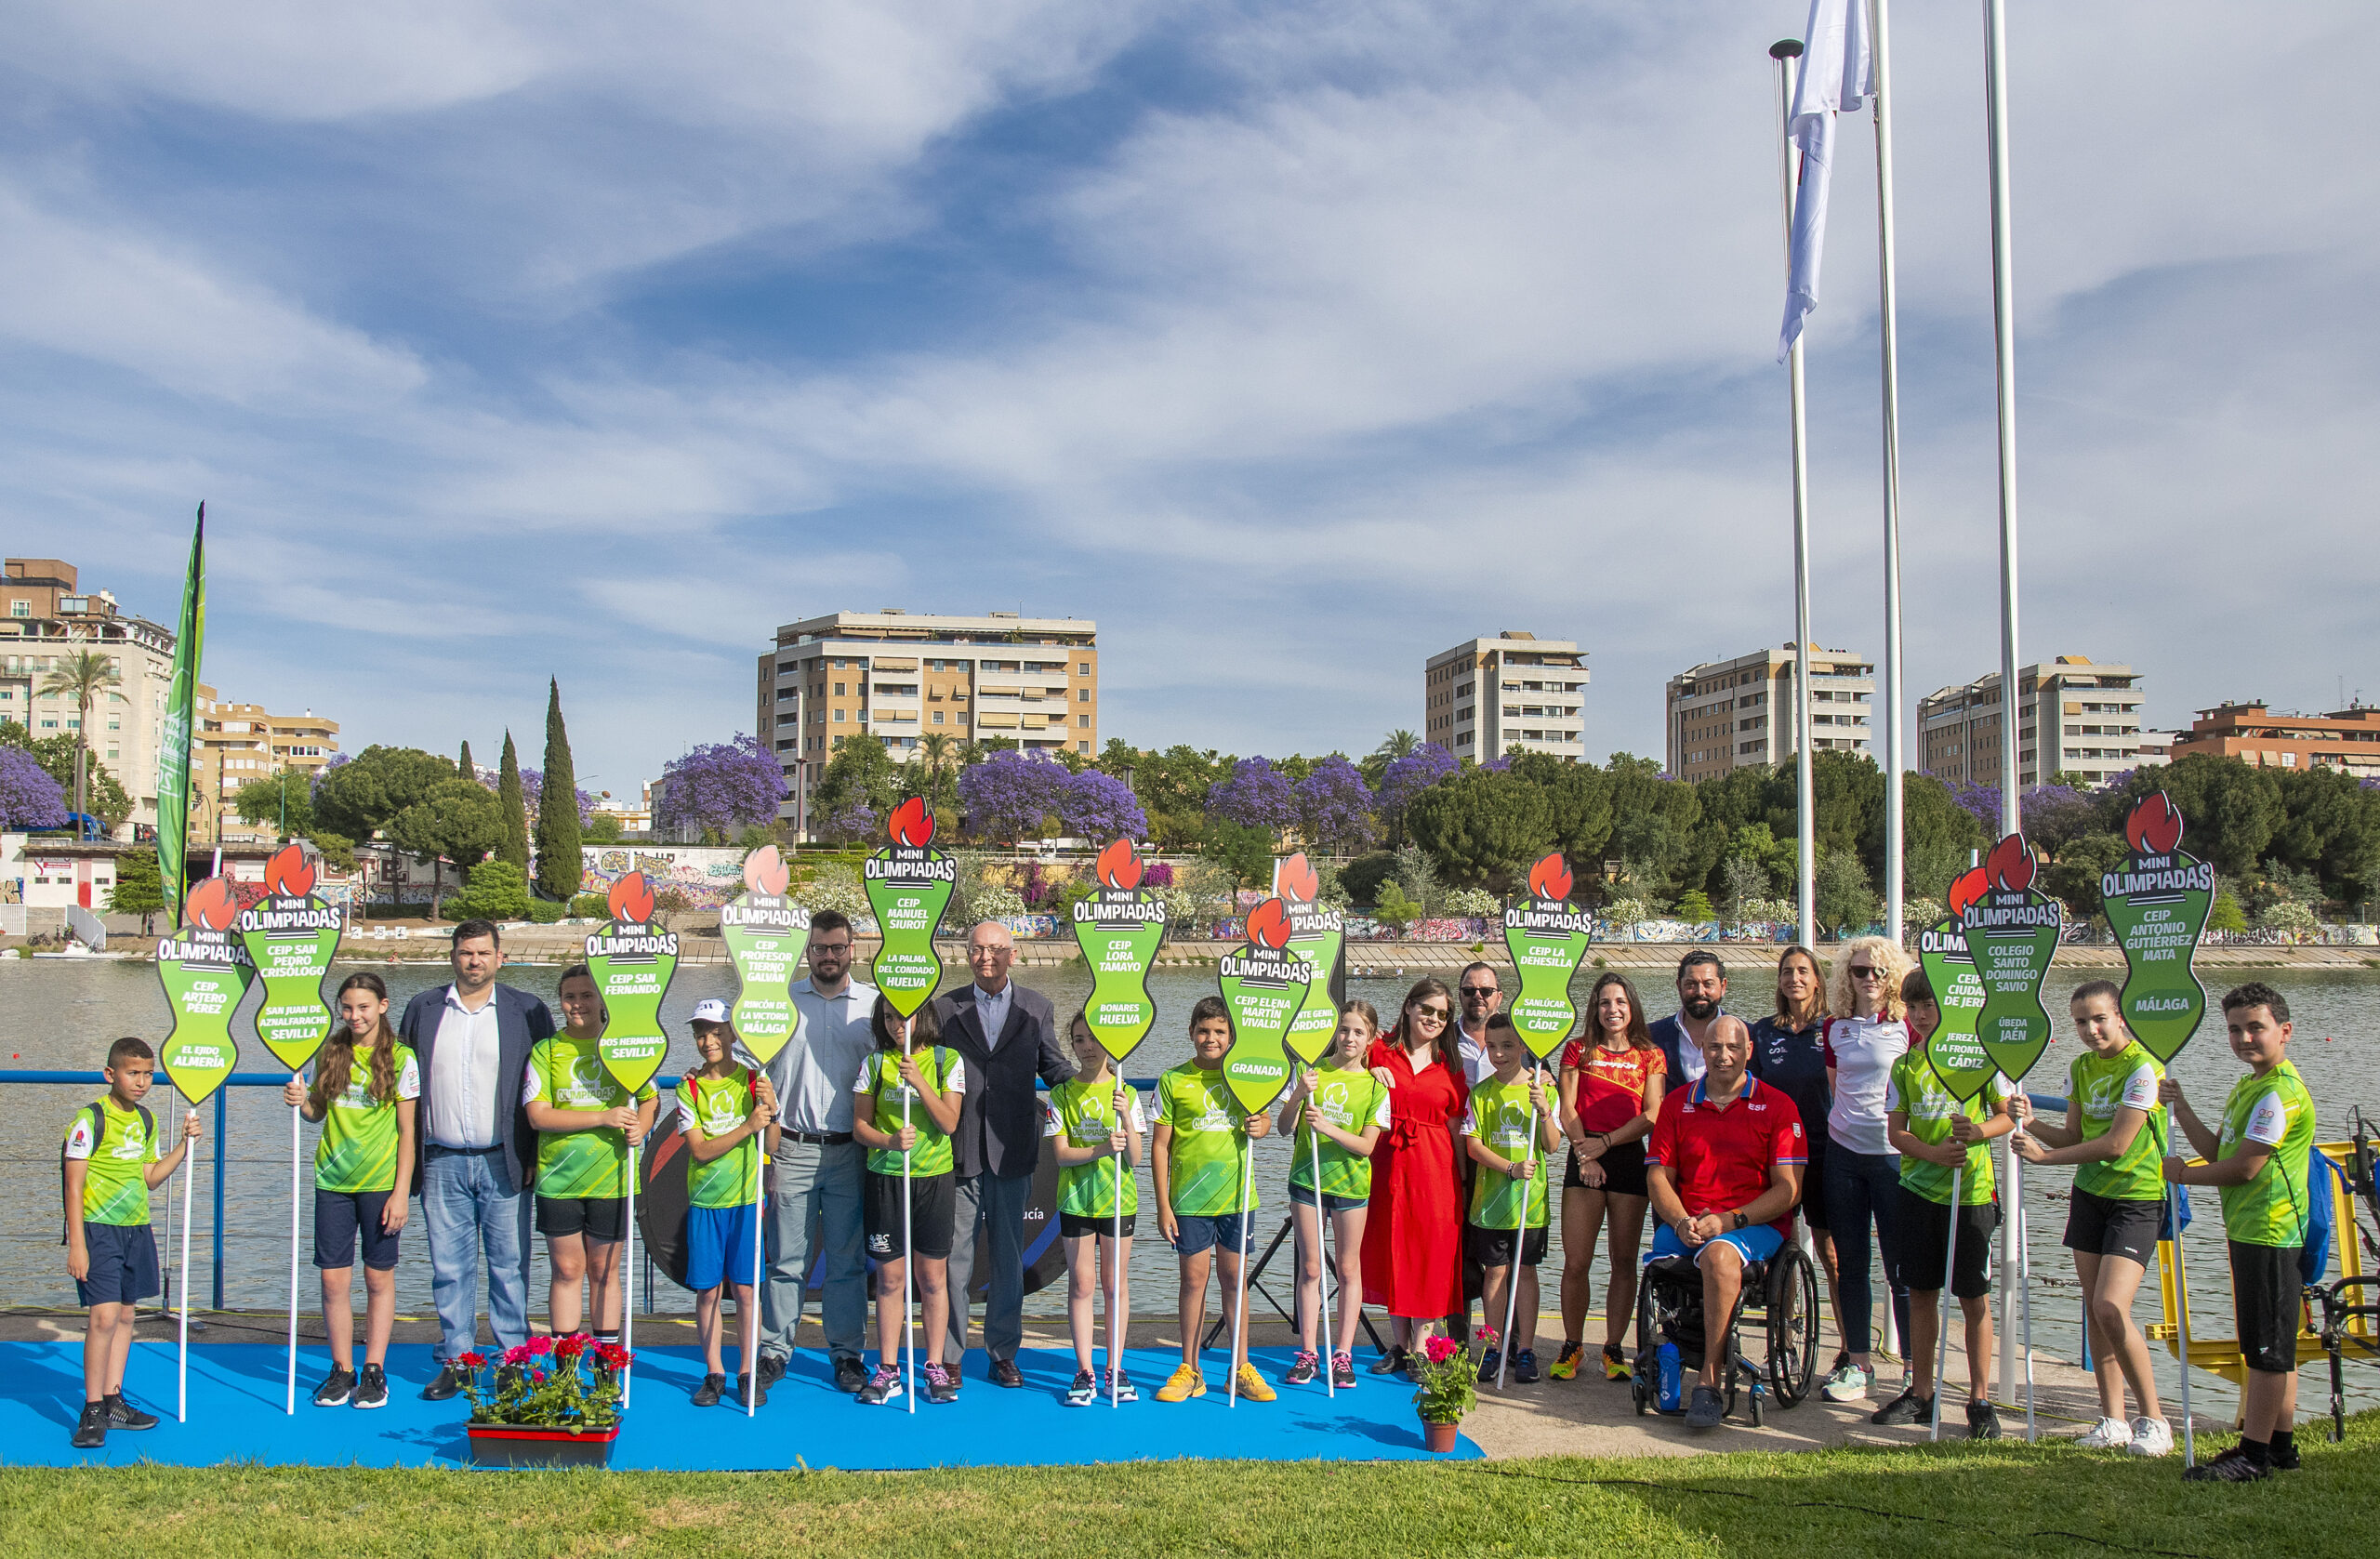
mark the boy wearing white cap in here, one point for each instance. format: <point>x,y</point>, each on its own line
<point>727,1113</point>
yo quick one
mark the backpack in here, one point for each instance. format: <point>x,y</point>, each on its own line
<point>98,1140</point>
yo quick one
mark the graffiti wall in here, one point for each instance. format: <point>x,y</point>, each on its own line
<point>707,877</point>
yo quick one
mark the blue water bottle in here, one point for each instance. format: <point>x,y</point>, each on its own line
<point>1667,1359</point>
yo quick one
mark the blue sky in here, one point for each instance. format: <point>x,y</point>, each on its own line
<point>1293,344</point>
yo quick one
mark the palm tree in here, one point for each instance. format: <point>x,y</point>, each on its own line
<point>938,753</point>
<point>82,675</point>
<point>1400,743</point>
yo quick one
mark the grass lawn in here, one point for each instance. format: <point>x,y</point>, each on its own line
<point>1946,1500</point>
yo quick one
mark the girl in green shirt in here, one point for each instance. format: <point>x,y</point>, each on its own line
<point>1335,1116</point>
<point>1097,1125</point>
<point>910,1093</point>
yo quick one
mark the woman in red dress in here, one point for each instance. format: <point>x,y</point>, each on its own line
<point>1413,1233</point>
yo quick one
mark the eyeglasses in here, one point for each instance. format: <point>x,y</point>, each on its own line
<point>1432,1014</point>
<point>1864,971</point>
<point>1480,992</point>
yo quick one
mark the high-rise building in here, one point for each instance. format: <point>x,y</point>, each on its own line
<point>2075,716</point>
<point>1486,697</point>
<point>43,615</point>
<point>2347,738</point>
<point>1728,714</point>
<point>898,677</point>
<point>235,743</point>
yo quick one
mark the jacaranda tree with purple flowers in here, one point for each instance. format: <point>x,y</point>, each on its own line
<point>1010,794</point>
<point>29,797</point>
<point>1100,807</point>
<point>1405,778</point>
<point>1256,796</point>
<point>722,788</point>
<point>1335,806</point>
<point>532,795</point>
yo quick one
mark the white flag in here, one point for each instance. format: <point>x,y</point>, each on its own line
<point>1838,72</point>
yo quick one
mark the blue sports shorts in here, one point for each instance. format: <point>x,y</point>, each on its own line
<point>1754,1242</point>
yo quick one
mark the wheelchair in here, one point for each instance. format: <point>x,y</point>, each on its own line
<point>1669,1308</point>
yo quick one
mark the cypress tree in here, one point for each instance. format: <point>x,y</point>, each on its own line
<point>558,873</point>
<point>515,846</point>
<point>463,765</point>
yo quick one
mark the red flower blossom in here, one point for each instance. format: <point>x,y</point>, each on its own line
<point>1441,1349</point>
<point>568,1348</point>
<point>514,1357</point>
<point>474,1361</point>
<point>615,1357</point>
<point>540,1345</point>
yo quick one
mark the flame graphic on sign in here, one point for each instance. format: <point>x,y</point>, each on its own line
<point>213,904</point>
<point>1118,867</point>
<point>764,871</point>
<point>2154,825</point>
<point>1967,889</point>
<point>1550,878</point>
<point>2010,865</point>
<point>631,899</point>
<point>1268,924</point>
<point>911,824</point>
<point>1299,881</point>
<point>289,875</point>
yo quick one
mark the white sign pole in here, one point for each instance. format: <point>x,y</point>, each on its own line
<point>295,1150</point>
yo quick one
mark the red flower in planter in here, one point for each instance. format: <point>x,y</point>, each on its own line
<point>615,1357</point>
<point>1441,1349</point>
<point>570,1347</point>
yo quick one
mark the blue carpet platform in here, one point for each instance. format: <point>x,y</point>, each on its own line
<point>236,1396</point>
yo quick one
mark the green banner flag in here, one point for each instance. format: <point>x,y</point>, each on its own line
<point>2158,901</point>
<point>1954,1052</point>
<point>2012,932</point>
<point>632,961</point>
<point>1118,929</point>
<point>908,885</point>
<point>1318,935</point>
<point>291,935</point>
<point>1548,938</point>
<point>174,731</point>
<point>766,934</point>
<point>1264,986</point>
<point>206,971</point>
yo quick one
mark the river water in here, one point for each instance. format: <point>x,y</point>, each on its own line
<point>60,1015</point>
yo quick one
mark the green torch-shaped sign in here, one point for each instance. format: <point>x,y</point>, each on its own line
<point>632,961</point>
<point>206,971</point>
<point>291,935</point>
<point>2158,901</point>
<point>908,886</point>
<point>2012,929</point>
<point>1264,986</point>
<point>1547,937</point>
<point>1316,935</point>
<point>1119,928</point>
<point>1954,1052</point>
<point>765,933</point>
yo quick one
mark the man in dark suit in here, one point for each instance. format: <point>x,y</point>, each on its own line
<point>1008,1036</point>
<point>479,1152</point>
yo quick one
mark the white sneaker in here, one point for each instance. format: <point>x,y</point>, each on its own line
<point>2111,1435</point>
<point>1847,1384</point>
<point>2151,1437</point>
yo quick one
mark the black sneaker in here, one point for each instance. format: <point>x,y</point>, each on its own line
<point>942,1386</point>
<point>1707,1408</point>
<point>1343,1371</point>
<point>2232,1466</point>
<point>124,1415</point>
<point>1525,1366</point>
<point>745,1389</point>
<point>710,1390</point>
<point>1983,1421</point>
<point>1390,1362</point>
<point>336,1387</point>
<point>772,1369</point>
<point>850,1374</point>
<point>1908,1408</point>
<point>91,1429</point>
<point>371,1389</point>
<point>1120,1386</point>
<point>1304,1370</point>
<point>445,1388</point>
<point>1084,1389</point>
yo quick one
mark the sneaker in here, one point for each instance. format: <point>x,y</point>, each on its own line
<point>1304,1370</point>
<point>1253,1386</point>
<point>1908,1408</point>
<point>1183,1383</point>
<point>1525,1366</point>
<point>336,1387</point>
<point>1390,1362</point>
<point>1565,1363</point>
<point>372,1390</point>
<point>1706,1410</point>
<point>772,1369</point>
<point>1343,1371</point>
<point>124,1415</point>
<point>2232,1466</point>
<point>2154,1437</point>
<point>746,1389</point>
<point>1488,1362</point>
<point>1614,1365</point>
<point>1121,1387</point>
<point>91,1429</point>
<point>1083,1391</point>
<point>942,1386</point>
<point>1983,1421</point>
<point>710,1390</point>
<point>1848,1383</point>
<point>2113,1434</point>
<point>883,1387</point>
<point>850,1374</point>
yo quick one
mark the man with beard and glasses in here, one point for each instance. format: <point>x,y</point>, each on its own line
<point>1701,994</point>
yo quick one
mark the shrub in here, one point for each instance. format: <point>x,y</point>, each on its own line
<point>835,886</point>
<point>1474,903</point>
<point>1363,876</point>
<point>497,890</point>
<point>589,906</point>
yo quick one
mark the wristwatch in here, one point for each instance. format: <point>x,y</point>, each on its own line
<point>1738,1217</point>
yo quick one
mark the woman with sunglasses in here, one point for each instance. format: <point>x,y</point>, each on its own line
<point>1788,1053</point>
<point>1413,1227</point>
<point>1862,1041</point>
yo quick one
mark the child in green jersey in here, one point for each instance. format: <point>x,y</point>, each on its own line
<point>1335,1116</point>
<point>1936,1136</point>
<point>1199,1163</point>
<point>2114,1136</point>
<point>915,1089</point>
<point>2259,1162</point>
<point>727,1113</point>
<point>1509,1130</point>
<point>107,1167</point>
<point>366,1086</point>
<point>586,1124</point>
<point>1097,1124</point>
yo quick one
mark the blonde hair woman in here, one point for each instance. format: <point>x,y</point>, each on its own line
<point>1862,1039</point>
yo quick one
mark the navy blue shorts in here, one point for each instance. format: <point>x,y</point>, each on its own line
<point>339,1218</point>
<point>124,1264</point>
<point>1201,1231</point>
<point>1304,1196</point>
<point>715,1236</point>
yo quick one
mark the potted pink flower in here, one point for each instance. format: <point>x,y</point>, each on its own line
<point>1445,1377</point>
<point>552,1402</point>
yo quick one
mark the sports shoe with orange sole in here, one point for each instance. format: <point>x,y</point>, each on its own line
<point>1183,1385</point>
<point>1253,1386</point>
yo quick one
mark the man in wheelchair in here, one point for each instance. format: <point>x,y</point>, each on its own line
<point>1724,1168</point>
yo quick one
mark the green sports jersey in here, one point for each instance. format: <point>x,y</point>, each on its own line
<point>115,1188</point>
<point>2276,1111</point>
<point>1917,1092</point>
<point>880,1079</point>
<point>1353,1100</point>
<point>359,1148</point>
<point>1085,1116</point>
<point>1206,1163</point>
<point>719,1105</point>
<point>567,1073</point>
<point>2096,1088</point>
<point>1501,1118</point>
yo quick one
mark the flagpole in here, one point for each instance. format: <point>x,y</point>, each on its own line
<point>1805,824</point>
<point>1896,756</point>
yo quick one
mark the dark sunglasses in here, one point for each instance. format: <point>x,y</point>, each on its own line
<point>1440,1013</point>
<point>1864,971</point>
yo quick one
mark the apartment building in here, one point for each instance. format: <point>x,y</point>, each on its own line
<point>234,744</point>
<point>1486,697</point>
<point>898,678</point>
<point>1728,714</point>
<point>45,613</point>
<point>2347,738</point>
<point>2075,716</point>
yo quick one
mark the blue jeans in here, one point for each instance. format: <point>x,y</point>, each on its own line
<point>815,1218</point>
<point>470,1204</point>
<point>1862,1186</point>
<point>995,1203</point>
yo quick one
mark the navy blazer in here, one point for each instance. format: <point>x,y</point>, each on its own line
<point>1000,1115</point>
<point>521,1020</point>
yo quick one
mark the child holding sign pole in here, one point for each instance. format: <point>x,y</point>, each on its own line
<point>1097,1125</point>
<point>1199,1164</point>
<point>1508,1125</point>
<point>587,1125</point>
<point>913,1088</point>
<point>1336,1114</point>
<point>727,1115</point>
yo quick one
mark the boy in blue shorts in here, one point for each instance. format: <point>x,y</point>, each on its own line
<point>108,1167</point>
<point>727,1112</point>
<point>1199,1164</point>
